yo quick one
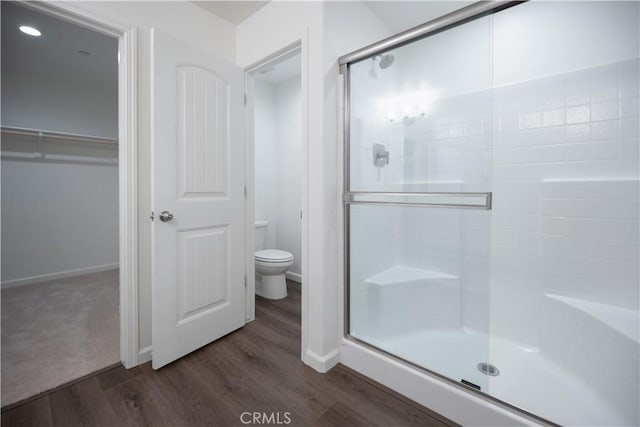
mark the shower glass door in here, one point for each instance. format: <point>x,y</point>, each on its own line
<point>492,207</point>
<point>418,199</point>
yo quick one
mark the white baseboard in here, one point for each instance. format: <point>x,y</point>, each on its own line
<point>59,275</point>
<point>144,355</point>
<point>293,276</point>
<point>324,363</point>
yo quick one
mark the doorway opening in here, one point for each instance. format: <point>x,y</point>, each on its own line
<point>62,210</point>
<point>276,179</point>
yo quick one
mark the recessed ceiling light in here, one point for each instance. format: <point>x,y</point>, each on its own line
<point>30,31</point>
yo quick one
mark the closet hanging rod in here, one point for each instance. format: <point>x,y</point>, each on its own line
<point>58,135</point>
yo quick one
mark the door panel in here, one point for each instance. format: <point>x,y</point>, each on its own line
<point>198,176</point>
<point>203,114</point>
<point>202,271</point>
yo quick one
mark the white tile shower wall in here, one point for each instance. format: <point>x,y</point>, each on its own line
<point>565,174</point>
<point>449,150</point>
<point>555,137</point>
<point>565,216</point>
<point>560,154</point>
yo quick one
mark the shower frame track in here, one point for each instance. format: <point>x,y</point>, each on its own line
<point>445,22</point>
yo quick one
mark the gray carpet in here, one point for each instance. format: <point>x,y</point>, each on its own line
<point>57,331</point>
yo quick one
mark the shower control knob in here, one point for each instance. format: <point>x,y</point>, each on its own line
<point>166,216</point>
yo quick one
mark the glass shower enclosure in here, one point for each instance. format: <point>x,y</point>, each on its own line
<point>491,206</point>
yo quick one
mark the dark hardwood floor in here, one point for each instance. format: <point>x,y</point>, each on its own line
<point>256,369</point>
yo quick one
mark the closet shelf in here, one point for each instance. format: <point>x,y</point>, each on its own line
<point>58,135</point>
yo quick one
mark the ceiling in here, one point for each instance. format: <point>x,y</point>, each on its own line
<point>280,72</point>
<point>397,15</point>
<point>402,15</point>
<point>56,51</point>
<point>232,11</point>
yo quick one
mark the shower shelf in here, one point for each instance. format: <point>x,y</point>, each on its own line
<point>399,274</point>
<point>624,320</point>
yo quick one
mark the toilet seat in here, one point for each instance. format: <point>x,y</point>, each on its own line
<point>273,256</point>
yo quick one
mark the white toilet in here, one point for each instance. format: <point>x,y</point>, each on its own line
<point>271,264</point>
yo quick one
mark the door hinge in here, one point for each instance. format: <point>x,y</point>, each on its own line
<point>245,282</point>
<point>245,99</point>
<point>153,216</point>
<point>245,191</point>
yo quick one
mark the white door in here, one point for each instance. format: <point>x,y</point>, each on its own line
<point>198,177</point>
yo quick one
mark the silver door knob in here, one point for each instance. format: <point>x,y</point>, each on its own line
<point>166,216</point>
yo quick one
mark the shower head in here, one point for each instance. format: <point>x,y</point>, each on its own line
<point>386,60</point>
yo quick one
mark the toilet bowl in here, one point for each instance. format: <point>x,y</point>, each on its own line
<point>271,264</point>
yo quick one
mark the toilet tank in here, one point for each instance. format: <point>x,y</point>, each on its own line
<point>261,234</point>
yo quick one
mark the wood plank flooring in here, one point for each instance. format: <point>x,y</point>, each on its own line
<point>255,369</point>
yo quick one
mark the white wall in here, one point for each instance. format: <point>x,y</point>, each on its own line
<point>342,37</point>
<point>289,169</point>
<point>266,159</point>
<point>327,31</point>
<point>278,160</point>
<point>595,33</point>
<point>186,22</point>
<point>275,26</point>
<point>57,218</point>
<point>39,100</point>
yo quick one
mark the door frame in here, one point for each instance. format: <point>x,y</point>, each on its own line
<point>127,165</point>
<point>298,46</point>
